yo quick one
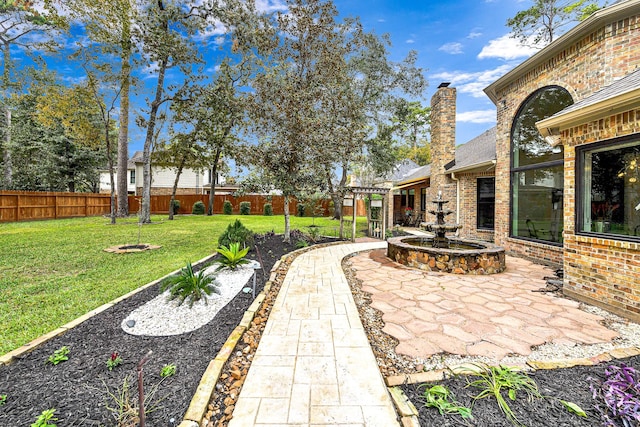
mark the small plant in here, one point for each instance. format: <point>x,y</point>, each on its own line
<point>45,417</point>
<point>175,206</point>
<point>301,244</point>
<point>245,208</point>
<point>301,209</point>
<point>168,370</point>
<point>314,233</point>
<point>60,355</point>
<point>189,286</point>
<point>236,232</point>
<point>267,209</point>
<point>494,380</point>
<point>232,256</point>
<point>440,397</point>
<point>3,399</point>
<point>618,396</point>
<point>227,208</point>
<point>198,208</point>
<point>114,360</point>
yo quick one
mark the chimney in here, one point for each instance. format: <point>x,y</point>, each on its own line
<point>443,138</point>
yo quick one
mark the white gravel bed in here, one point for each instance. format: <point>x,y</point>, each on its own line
<point>162,317</point>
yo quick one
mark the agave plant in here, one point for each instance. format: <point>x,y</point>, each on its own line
<point>232,256</point>
<point>189,285</point>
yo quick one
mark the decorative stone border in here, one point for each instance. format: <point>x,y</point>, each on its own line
<point>127,249</point>
<point>30,346</point>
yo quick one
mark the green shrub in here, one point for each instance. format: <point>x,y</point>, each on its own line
<point>245,208</point>
<point>176,206</point>
<point>232,256</point>
<point>189,285</point>
<point>227,208</point>
<point>198,208</point>
<point>236,232</point>
<point>267,210</point>
<point>301,209</point>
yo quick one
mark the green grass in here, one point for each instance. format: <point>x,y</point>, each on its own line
<point>55,271</point>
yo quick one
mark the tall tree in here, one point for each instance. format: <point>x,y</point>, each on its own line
<point>110,24</point>
<point>411,122</point>
<point>18,19</point>
<point>543,21</point>
<point>286,106</point>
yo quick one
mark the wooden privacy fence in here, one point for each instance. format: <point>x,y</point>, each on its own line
<point>33,205</point>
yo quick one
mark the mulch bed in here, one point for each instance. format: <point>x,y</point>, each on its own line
<point>570,384</point>
<point>77,388</point>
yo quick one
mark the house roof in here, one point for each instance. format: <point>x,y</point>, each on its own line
<point>619,96</point>
<point>402,169</point>
<point>136,158</point>
<point>476,153</point>
<point>615,12</point>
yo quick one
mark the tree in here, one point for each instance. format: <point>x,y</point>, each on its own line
<point>287,104</point>
<point>411,122</point>
<point>542,22</point>
<point>18,18</point>
<point>183,151</point>
<point>110,25</point>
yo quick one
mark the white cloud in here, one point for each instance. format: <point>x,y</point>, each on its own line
<point>268,6</point>
<point>478,116</point>
<point>410,41</point>
<point>451,48</point>
<point>382,20</point>
<point>472,83</point>
<point>507,48</point>
<point>474,34</point>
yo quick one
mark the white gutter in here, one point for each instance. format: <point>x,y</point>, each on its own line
<point>457,180</point>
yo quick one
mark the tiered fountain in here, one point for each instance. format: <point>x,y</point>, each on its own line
<point>447,255</point>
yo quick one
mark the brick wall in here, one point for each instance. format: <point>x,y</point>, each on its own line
<point>443,145</point>
<point>601,271</point>
<point>469,207</point>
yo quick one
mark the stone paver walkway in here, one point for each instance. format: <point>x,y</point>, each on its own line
<point>493,316</point>
<point>313,366</point>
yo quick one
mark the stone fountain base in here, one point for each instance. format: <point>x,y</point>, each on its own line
<point>462,257</point>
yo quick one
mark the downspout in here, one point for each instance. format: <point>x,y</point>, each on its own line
<point>457,180</point>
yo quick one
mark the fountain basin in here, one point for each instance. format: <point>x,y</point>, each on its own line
<point>462,257</point>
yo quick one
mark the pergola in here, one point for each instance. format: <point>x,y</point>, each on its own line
<point>377,227</point>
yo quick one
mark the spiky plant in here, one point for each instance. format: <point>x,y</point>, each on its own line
<point>189,286</point>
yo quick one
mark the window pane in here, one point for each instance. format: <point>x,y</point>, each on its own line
<point>486,202</point>
<point>611,190</point>
<point>529,147</point>
<point>537,204</point>
<point>423,199</point>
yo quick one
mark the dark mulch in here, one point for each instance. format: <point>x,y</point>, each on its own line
<point>569,384</point>
<point>77,388</point>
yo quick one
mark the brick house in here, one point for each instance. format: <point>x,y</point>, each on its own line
<point>567,158</point>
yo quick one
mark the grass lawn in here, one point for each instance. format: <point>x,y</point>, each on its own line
<point>54,271</point>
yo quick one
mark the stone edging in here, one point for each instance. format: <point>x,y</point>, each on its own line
<point>32,345</point>
<point>409,413</point>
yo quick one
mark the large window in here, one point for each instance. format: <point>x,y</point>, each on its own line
<point>132,177</point>
<point>537,179</point>
<point>609,188</point>
<point>486,201</point>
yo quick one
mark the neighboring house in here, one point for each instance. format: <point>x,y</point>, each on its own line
<point>162,180</point>
<point>565,162</point>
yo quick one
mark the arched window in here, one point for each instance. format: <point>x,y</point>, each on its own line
<point>537,175</point>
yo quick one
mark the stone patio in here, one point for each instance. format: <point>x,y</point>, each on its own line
<point>491,316</point>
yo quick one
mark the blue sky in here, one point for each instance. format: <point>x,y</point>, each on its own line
<point>465,42</point>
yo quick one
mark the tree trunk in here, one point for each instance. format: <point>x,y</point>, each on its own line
<point>175,187</point>
<point>287,221</point>
<point>123,134</point>
<point>8,169</point>
<point>145,211</point>
<point>214,175</point>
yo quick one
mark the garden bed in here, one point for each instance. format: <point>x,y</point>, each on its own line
<point>78,388</point>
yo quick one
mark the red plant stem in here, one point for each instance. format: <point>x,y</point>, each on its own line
<point>141,388</point>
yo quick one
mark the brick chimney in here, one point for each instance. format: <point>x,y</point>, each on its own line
<point>443,143</point>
